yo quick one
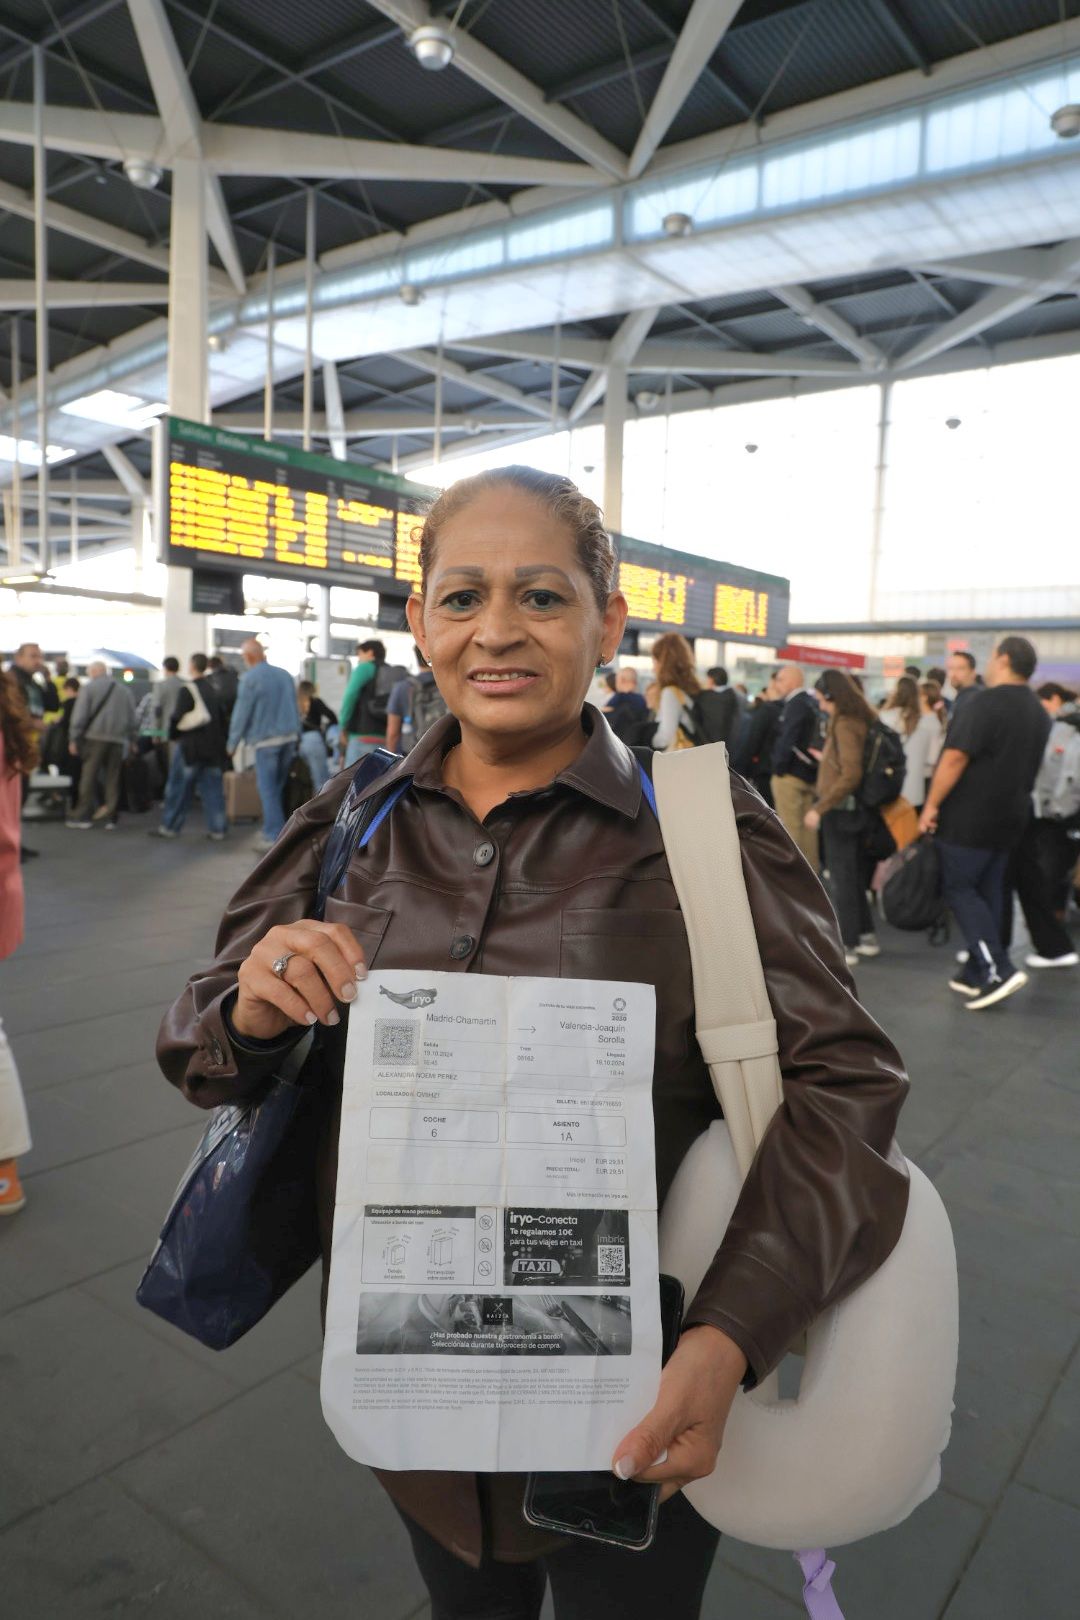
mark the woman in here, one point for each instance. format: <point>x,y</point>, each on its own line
<point>18,756</point>
<point>913,711</point>
<point>901,707</point>
<point>315,716</point>
<point>842,821</point>
<point>524,844</point>
<point>673,662</point>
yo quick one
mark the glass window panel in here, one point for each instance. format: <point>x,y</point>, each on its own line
<point>554,235</point>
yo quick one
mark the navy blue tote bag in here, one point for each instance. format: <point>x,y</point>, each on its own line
<point>243,1226</point>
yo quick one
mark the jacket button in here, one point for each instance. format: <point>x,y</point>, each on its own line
<point>462,946</point>
<point>483,854</point>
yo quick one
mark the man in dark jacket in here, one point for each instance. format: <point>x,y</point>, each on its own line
<point>794,766</point>
<point>198,729</point>
<point>752,753</point>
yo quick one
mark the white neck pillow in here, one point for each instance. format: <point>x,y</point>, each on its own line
<point>861,1446</point>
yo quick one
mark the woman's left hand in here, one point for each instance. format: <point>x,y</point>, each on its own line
<point>686,1425</point>
<point>812,820</point>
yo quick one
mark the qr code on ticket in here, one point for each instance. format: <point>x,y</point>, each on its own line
<point>610,1260</point>
<point>396,1042</point>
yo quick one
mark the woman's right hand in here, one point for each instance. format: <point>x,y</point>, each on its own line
<point>325,966</point>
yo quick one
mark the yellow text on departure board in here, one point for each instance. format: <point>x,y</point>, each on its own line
<point>407,549</point>
<point>740,612</point>
<point>216,511</point>
<point>654,595</point>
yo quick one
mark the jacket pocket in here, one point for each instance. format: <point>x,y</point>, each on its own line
<point>368,923</point>
<point>637,947</point>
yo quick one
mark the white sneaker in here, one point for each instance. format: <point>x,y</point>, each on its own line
<point>997,991</point>
<point>82,826</point>
<point>868,945</point>
<point>962,987</point>
<point>963,956</point>
<point>851,959</point>
<point>262,844</point>
<point>1070,959</point>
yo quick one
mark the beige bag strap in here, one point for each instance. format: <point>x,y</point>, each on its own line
<point>735,1026</point>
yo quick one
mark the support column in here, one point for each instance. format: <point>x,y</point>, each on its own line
<point>268,381</point>
<point>880,476</point>
<point>15,533</point>
<point>614,422</point>
<point>41,320</point>
<point>322,592</point>
<point>186,632</point>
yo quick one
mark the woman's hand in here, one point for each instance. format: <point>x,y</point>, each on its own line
<point>812,819</point>
<point>325,966</point>
<point>686,1425</point>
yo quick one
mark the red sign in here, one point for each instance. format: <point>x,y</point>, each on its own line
<point>826,656</point>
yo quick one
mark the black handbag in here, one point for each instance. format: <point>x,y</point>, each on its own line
<point>243,1226</point>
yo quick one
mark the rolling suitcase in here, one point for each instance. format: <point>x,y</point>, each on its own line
<point>242,801</point>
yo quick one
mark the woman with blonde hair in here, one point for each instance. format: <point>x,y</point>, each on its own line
<point>673,661</point>
<point>18,756</point>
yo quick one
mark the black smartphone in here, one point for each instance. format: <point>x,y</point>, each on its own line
<point>597,1505</point>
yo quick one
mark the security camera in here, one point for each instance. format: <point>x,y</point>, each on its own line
<point>410,293</point>
<point>142,173</point>
<point>1066,121</point>
<point>751,449</point>
<point>433,46</point>
<point>952,423</point>
<point>472,426</point>
<point>678,224</point>
<point>646,400</point>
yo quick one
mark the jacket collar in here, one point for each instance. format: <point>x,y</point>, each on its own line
<point>605,770</point>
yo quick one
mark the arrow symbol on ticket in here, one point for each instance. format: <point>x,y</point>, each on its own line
<point>527,1029</point>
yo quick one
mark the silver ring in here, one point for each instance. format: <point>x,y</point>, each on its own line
<point>282,963</point>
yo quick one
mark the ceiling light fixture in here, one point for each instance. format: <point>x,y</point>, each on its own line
<point>678,224</point>
<point>952,423</point>
<point>410,293</point>
<point>646,400</point>
<point>1066,121</point>
<point>433,46</point>
<point>115,409</point>
<point>143,174</point>
<point>751,449</point>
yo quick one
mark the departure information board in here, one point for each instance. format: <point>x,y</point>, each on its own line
<point>673,590</point>
<point>239,503</point>
<point>234,501</point>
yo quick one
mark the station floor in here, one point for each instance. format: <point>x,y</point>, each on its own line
<point>142,1474</point>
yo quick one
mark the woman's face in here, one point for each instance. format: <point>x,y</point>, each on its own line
<point>510,622</point>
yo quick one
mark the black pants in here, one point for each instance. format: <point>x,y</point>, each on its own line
<point>850,869</point>
<point>975,892</point>
<point>588,1580</point>
<point>1044,859</point>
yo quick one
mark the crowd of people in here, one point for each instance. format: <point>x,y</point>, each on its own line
<point>990,767</point>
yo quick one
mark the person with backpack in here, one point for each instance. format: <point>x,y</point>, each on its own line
<point>979,804</point>
<point>837,811</point>
<point>366,702</point>
<point>676,723</point>
<point>415,705</point>
<point>198,730</point>
<point>517,838</point>
<point>911,713</point>
<point>1048,851</point>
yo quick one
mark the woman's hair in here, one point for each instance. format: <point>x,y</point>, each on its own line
<point>842,692</point>
<point>931,691</point>
<point>305,688</point>
<point>562,499</point>
<point>674,660</point>
<point>905,697</point>
<point>1054,689</point>
<point>20,739</point>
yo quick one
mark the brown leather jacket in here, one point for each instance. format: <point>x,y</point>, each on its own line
<point>572,880</point>
<point>840,770</point>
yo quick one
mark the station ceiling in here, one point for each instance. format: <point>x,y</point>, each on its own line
<point>341,69</point>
